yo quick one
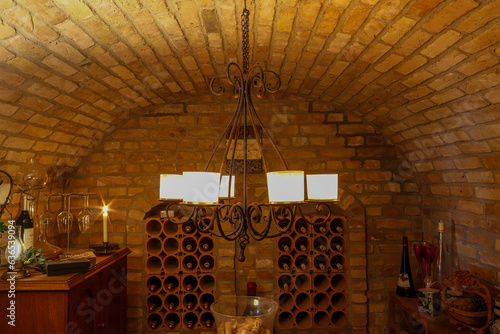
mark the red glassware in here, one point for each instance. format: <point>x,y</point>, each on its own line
<point>430,255</point>
<point>418,250</point>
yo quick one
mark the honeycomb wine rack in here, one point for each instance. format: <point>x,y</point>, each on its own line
<point>311,276</point>
<point>180,280</point>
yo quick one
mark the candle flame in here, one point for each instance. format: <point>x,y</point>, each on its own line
<point>105,210</point>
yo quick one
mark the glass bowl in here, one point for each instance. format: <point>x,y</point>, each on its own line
<point>234,313</point>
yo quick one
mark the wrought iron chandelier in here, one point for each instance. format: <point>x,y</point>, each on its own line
<point>208,197</point>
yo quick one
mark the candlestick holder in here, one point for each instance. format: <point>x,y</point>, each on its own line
<point>105,249</point>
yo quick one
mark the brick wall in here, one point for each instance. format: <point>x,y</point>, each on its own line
<point>459,188</point>
<point>381,202</point>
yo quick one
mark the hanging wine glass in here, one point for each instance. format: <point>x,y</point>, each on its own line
<point>65,218</point>
<point>46,218</point>
<point>85,217</point>
<point>46,221</point>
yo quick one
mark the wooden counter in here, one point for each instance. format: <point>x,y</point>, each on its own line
<point>91,302</point>
<point>412,321</point>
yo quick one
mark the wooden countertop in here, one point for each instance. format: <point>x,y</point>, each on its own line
<point>41,282</point>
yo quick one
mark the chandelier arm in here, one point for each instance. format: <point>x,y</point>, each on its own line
<point>219,89</point>
<point>276,149</point>
<point>320,208</point>
<point>260,143</point>
<point>236,208</point>
<point>235,134</point>
<point>252,209</point>
<point>200,214</point>
<point>233,119</point>
<point>272,89</point>
<point>275,219</point>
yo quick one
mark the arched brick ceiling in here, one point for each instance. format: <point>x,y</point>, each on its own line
<point>425,72</point>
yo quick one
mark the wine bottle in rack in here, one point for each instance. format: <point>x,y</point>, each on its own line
<point>337,226</point>
<point>207,319</point>
<point>302,262</point>
<point>285,282</point>
<point>154,321</point>
<point>188,227</point>
<point>154,303</point>
<point>336,262</point>
<point>285,262</point>
<point>171,283</point>
<point>153,284</point>
<point>189,245</point>
<point>320,244</point>
<point>189,283</point>
<point>190,319</point>
<point>189,263</point>
<point>285,244</point>
<point>320,229</point>
<point>320,262</point>
<point>172,320</point>
<point>172,302</point>
<point>206,244</point>
<point>301,227</point>
<point>190,301</point>
<point>302,244</point>
<point>336,244</point>
<point>207,262</point>
<point>206,300</point>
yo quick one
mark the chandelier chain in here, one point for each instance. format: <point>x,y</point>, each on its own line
<point>245,31</point>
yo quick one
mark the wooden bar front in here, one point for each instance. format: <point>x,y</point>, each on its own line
<point>91,302</point>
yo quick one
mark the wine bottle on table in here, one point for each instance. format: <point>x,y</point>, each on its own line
<point>405,287</point>
<point>251,292</point>
<point>26,222</point>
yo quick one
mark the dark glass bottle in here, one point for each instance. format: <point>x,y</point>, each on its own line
<point>284,244</point>
<point>405,287</point>
<point>251,292</point>
<point>24,220</point>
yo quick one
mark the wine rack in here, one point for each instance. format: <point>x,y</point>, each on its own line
<point>180,281</point>
<point>311,276</point>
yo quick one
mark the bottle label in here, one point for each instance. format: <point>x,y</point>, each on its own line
<point>28,238</point>
<point>404,281</point>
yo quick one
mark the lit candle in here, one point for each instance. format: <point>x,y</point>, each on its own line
<point>105,224</point>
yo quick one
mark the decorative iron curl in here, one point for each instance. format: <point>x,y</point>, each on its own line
<point>235,217</point>
<point>321,209</point>
<point>176,208</point>
<point>254,217</point>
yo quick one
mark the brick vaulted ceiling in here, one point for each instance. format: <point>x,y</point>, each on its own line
<point>423,69</point>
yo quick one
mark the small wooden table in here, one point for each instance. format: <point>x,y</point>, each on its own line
<point>91,302</point>
<point>414,321</point>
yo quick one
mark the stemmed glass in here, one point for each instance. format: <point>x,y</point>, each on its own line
<point>65,218</point>
<point>85,217</point>
<point>46,220</point>
<point>430,254</point>
<point>418,250</point>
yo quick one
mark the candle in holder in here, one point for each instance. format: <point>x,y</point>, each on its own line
<point>105,224</point>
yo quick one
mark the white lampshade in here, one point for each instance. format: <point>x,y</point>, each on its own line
<point>322,187</point>
<point>224,185</point>
<point>285,186</point>
<point>171,187</point>
<point>201,187</point>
